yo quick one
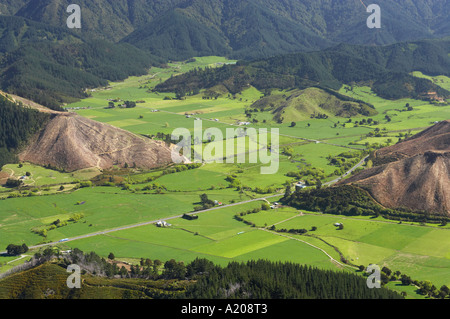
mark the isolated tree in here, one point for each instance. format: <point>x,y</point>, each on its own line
<point>15,250</point>
<point>12,183</point>
<point>445,290</point>
<point>204,198</point>
<point>288,191</point>
<point>130,104</point>
<point>387,271</point>
<point>111,256</point>
<point>318,184</point>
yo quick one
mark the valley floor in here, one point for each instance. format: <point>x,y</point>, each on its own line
<point>121,219</point>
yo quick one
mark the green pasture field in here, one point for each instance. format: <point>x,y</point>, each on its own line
<point>411,291</point>
<point>104,208</point>
<point>41,176</point>
<point>423,115</point>
<point>216,235</point>
<point>365,241</point>
<point>422,252</point>
<point>441,80</point>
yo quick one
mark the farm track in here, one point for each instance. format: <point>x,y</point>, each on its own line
<point>334,261</point>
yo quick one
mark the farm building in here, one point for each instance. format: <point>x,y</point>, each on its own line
<point>163,224</point>
<point>300,185</point>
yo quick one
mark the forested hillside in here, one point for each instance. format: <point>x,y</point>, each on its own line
<point>386,69</point>
<point>268,280</point>
<point>45,61</point>
<point>251,28</point>
<point>51,65</point>
<point>199,279</point>
<point>17,124</point>
<point>178,37</point>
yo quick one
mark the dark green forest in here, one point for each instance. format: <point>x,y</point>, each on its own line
<point>177,37</point>
<point>51,65</point>
<point>199,279</point>
<point>45,61</point>
<point>250,28</point>
<point>17,124</point>
<point>277,280</point>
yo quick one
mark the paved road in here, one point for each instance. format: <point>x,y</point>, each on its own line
<point>191,213</point>
<point>348,173</point>
<point>151,222</point>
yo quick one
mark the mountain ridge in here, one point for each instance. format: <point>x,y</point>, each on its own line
<point>257,28</point>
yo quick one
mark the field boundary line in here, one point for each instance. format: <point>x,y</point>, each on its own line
<point>108,231</point>
<point>302,241</point>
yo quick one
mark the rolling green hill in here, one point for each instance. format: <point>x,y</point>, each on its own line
<point>385,68</point>
<point>300,105</point>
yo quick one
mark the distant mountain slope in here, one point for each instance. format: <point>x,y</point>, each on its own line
<point>178,37</point>
<point>413,174</point>
<point>45,61</point>
<point>105,19</point>
<point>71,142</point>
<point>252,28</point>
<point>248,31</point>
<point>10,7</point>
<point>386,69</point>
<point>53,65</point>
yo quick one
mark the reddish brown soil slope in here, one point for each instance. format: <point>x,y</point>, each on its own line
<point>416,173</point>
<point>72,142</point>
<point>435,138</point>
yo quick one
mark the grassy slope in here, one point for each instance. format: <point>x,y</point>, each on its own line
<point>299,105</point>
